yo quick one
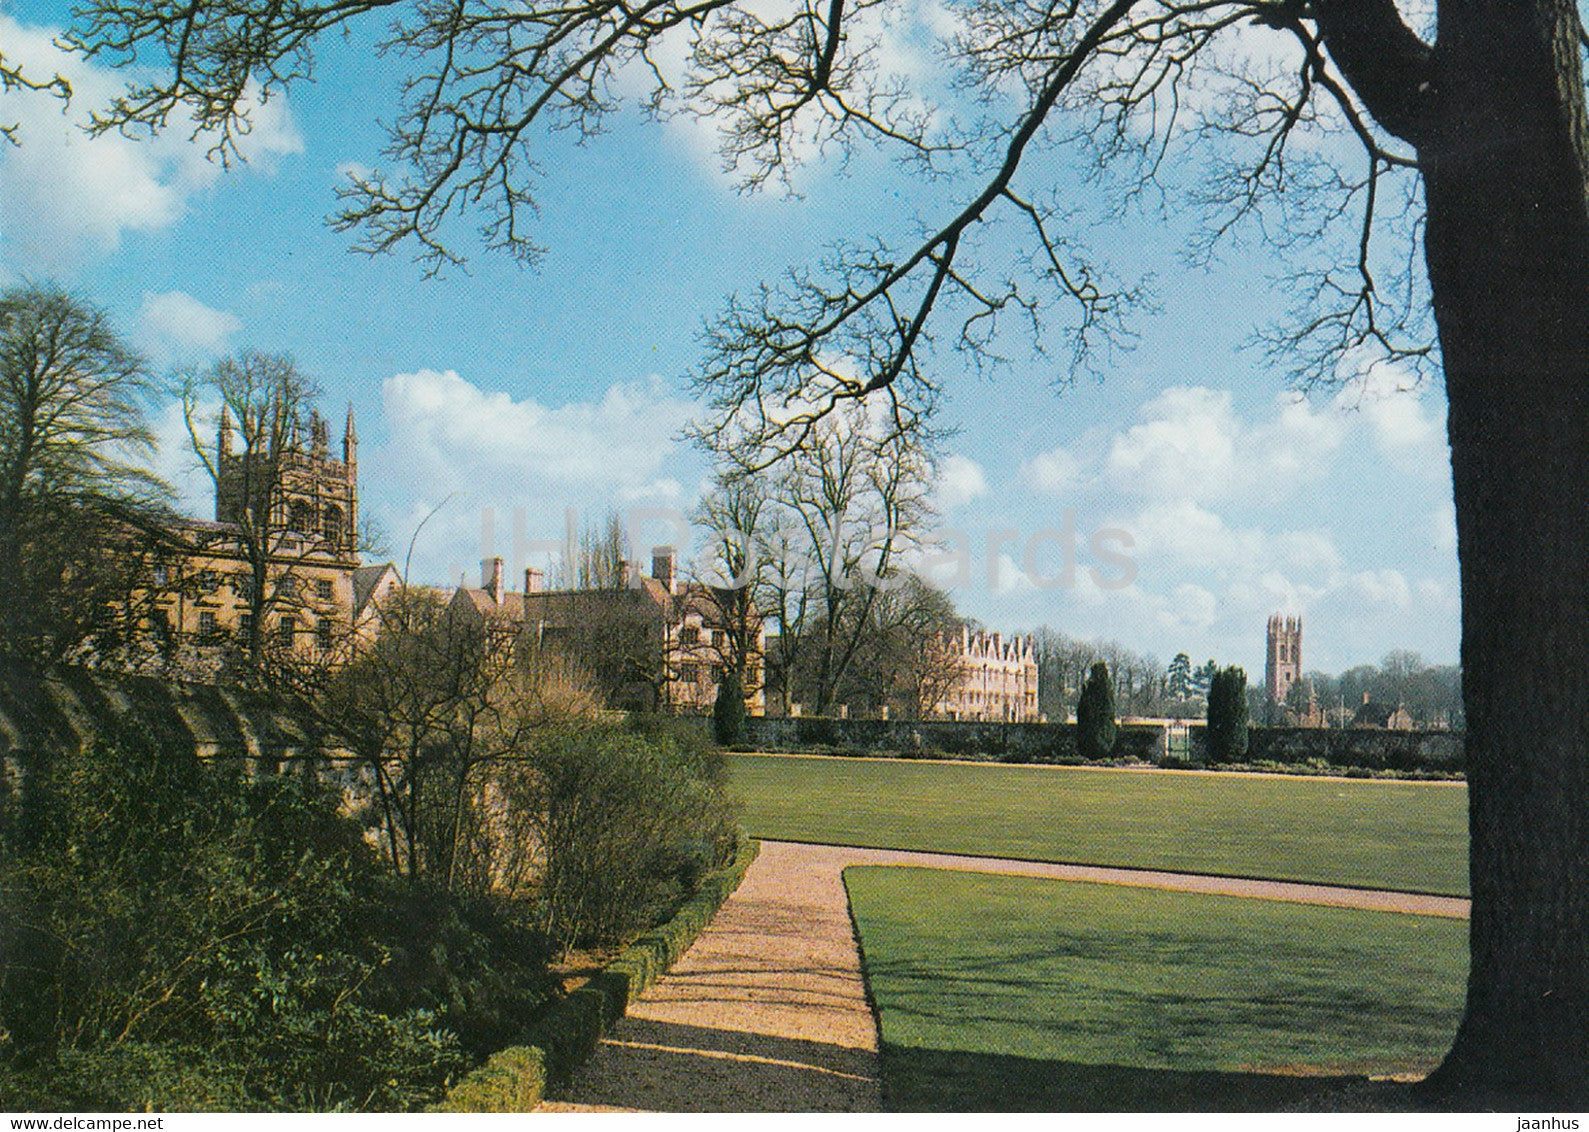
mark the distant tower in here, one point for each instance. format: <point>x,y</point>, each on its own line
<point>1283,668</point>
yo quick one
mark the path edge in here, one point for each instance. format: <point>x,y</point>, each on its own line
<point>515,1079</point>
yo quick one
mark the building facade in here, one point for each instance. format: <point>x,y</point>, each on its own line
<point>294,513</point>
<point>997,679</point>
<point>652,642</point>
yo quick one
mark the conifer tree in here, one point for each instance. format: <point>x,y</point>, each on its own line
<point>1095,714</point>
<point>1227,716</point>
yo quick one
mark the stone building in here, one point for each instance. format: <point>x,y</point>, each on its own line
<point>653,642</point>
<point>314,599</point>
<point>997,680</point>
<point>1283,660</point>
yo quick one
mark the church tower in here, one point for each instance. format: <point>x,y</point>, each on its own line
<point>1283,667</point>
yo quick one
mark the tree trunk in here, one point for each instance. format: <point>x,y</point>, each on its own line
<point>1507,246</point>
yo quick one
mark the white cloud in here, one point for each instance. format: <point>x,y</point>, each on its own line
<point>1189,607</point>
<point>68,196</point>
<point>176,323</point>
<point>1385,588</point>
<point>1192,444</point>
<point>471,436</point>
<point>175,462</point>
<point>960,480</point>
<point>1055,472</point>
<point>1408,427</point>
<point>1443,528</point>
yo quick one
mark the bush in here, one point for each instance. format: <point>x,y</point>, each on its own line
<point>627,825</point>
<point>171,937</point>
<point>1095,715</point>
<point>1227,716</point>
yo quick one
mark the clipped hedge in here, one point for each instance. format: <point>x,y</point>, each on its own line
<point>515,1079</point>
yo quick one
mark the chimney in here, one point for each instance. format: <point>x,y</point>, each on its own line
<point>664,559</point>
<point>534,580</point>
<point>491,578</point>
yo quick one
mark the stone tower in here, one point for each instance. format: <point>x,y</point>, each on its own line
<point>315,495</point>
<point>1283,667</point>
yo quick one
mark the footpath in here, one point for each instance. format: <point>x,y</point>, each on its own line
<point>767,1012</point>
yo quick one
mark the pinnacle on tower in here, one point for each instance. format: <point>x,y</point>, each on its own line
<point>223,439</point>
<point>350,439</point>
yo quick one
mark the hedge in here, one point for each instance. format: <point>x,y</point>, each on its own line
<point>515,1079</point>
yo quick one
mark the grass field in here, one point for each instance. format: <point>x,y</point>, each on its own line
<point>1010,993</point>
<point>1378,834</point>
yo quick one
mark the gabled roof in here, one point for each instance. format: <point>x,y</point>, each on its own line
<point>366,580</point>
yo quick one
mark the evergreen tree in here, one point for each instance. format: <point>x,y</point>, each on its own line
<point>1095,714</point>
<point>1179,676</point>
<point>1227,716</point>
<point>728,713</point>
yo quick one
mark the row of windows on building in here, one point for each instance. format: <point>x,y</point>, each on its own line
<point>209,581</point>
<point>287,629</point>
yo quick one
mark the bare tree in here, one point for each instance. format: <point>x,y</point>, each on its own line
<point>733,584</point>
<point>851,499</point>
<point>908,654</point>
<point>79,531</point>
<point>1471,136</point>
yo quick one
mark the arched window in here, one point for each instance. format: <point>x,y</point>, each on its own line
<point>300,517</point>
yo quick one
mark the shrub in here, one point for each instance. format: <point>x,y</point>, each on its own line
<point>1227,716</point>
<point>173,937</point>
<point>626,825</point>
<point>1095,714</point>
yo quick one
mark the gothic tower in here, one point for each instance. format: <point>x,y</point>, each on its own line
<point>315,496</point>
<point>1283,668</point>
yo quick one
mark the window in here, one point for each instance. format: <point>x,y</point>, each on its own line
<point>245,585</point>
<point>717,638</point>
<point>245,624</point>
<point>209,581</point>
<point>689,635</point>
<point>287,587</point>
<point>162,575</point>
<point>333,526</point>
<point>322,588</point>
<point>207,625</point>
<point>323,631</point>
<point>286,631</point>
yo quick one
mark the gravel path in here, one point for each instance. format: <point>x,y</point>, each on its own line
<point>768,1011</point>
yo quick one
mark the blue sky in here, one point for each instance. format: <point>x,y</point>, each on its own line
<point>562,387</point>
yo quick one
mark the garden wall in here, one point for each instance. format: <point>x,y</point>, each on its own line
<point>264,732</point>
<point>1438,751</point>
<point>1352,746</point>
<point>959,739</point>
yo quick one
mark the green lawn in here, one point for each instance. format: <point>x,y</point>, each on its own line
<point>1013,993</point>
<point>1379,834</point>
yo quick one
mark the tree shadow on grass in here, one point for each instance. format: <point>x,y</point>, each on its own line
<point>933,1080</point>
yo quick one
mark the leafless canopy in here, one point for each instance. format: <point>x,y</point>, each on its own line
<point>1131,85</point>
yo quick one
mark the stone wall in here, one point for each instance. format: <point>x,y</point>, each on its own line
<point>959,739</point>
<point>69,708</point>
<point>1138,742</point>
<point>1351,746</point>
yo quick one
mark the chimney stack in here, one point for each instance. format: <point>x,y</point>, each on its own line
<point>491,578</point>
<point>664,561</point>
<point>534,580</point>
